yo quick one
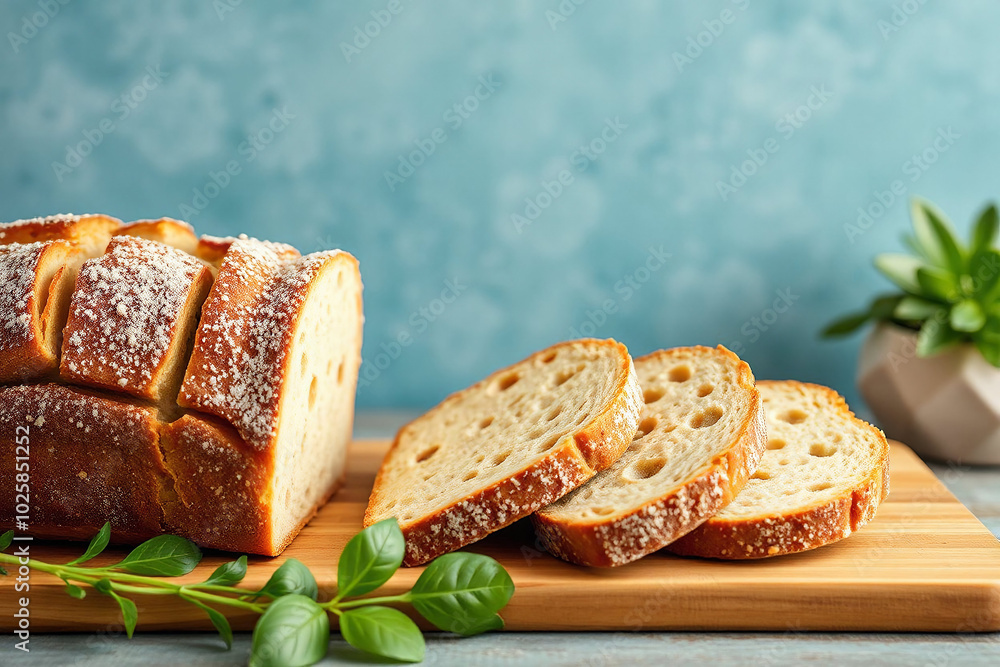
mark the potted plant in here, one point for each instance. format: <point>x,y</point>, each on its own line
<point>929,369</point>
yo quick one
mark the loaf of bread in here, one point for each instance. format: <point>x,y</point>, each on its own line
<point>166,383</point>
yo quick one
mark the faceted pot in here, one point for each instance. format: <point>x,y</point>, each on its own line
<point>945,407</point>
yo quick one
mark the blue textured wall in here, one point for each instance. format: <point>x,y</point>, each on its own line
<point>615,122</point>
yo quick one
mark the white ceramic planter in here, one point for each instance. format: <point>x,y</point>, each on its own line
<point>945,407</point>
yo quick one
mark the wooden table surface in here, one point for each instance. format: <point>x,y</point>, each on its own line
<point>977,488</point>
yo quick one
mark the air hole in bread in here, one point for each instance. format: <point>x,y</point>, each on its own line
<point>486,422</point>
<point>563,376</point>
<point>303,363</point>
<point>783,462</point>
<point>821,486</point>
<point>761,474</point>
<point>427,453</point>
<point>776,443</point>
<point>340,279</point>
<point>705,389</point>
<point>646,469</point>
<point>706,418</point>
<point>582,418</point>
<point>480,458</point>
<point>312,392</point>
<point>645,427</point>
<point>793,417</point>
<point>549,444</point>
<point>508,381</point>
<point>549,358</point>
<point>555,413</point>
<point>822,449</point>
<point>340,373</point>
<point>680,374</point>
<point>652,395</point>
<point>472,474</point>
<point>603,511</point>
<point>501,457</point>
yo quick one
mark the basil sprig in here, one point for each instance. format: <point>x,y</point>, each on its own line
<point>458,592</point>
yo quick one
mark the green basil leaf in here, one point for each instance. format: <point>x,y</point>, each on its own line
<point>901,270</point>
<point>936,283</point>
<point>103,586</point>
<point>6,539</point>
<point>162,556</point>
<point>219,621</point>
<point>292,578</point>
<point>459,591</point>
<point>967,317</point>
<point>293,632</point>
<point>370,558</point>
<point>935,236</point>
<point>383,631</point>
<point>130,615</point>
<point>228,573</point>
<point>984,232</point>
<point>75,591</point>
<point>936,336</point>
<point>915,308</point>
<point>96,546</point>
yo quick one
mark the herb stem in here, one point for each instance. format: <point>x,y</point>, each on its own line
<point>123,583</point>
<point>334,604</point>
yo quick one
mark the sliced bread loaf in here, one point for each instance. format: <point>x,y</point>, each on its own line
<point>507,446</point>
<point>36,283</point>
<point>700,436</point>
<point>822,477</point>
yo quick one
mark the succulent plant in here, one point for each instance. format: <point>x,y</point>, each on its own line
<point>950,292</point>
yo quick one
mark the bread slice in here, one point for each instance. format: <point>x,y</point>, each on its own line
<point>132,317</point>
<point>503,448</point>
<point>822,477</point>
<point>90,232</point>
<point>700,436</point>
<point>36,282</point>
<point>174,233</point>
<point>276,356</point>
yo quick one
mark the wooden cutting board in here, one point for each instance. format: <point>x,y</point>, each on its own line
<point>925,564</point>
